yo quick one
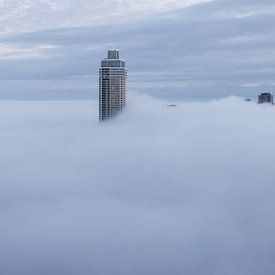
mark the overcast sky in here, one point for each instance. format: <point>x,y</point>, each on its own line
<point>174,49</point>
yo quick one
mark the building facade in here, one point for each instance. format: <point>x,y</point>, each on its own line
<point>265,98</point>
<point>112,85</point>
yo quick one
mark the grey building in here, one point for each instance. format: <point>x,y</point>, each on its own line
<point>265,98</point>
<point>112,85</point>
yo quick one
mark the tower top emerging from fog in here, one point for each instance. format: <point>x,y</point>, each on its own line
<point>112,85</point>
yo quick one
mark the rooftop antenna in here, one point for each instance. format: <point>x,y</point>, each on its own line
<point>113,45</point>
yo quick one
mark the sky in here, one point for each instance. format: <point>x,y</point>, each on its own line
<point>158,190</point>
<point>184,50</point>
<point>185,190</point>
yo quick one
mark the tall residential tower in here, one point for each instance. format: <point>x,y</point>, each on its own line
<point>112,85</point>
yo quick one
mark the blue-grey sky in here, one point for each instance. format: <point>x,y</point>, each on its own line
<point>174,49</point>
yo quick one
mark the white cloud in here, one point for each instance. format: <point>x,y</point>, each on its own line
<point>185,190</point>
<point>252,84</point>
<point>17,52</point>
<point>29,15</point>
<point>159,5</point>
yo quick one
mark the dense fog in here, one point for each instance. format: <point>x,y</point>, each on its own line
<point>158,190</point>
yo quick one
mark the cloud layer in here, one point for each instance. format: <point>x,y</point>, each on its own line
<point>185,190</point>
<point>31,15</point>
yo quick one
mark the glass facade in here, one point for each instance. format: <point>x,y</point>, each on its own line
<point>112,85</point>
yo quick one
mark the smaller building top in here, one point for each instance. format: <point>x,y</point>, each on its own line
<point>265,98</point>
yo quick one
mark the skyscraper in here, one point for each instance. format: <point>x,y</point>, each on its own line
<point>112,85</point>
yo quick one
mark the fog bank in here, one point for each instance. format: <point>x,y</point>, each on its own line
<point>185,190</point>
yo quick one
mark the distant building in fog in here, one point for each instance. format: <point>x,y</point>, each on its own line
<point>171,105</point>
<point>265,98</point>
<point>112,85</point>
